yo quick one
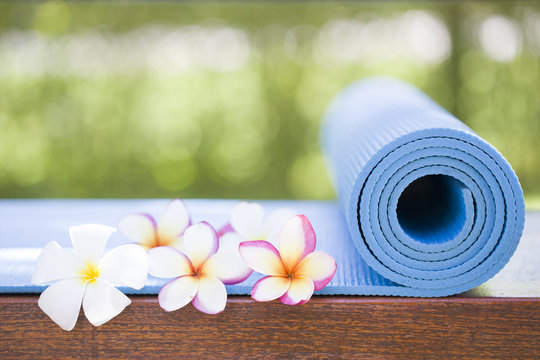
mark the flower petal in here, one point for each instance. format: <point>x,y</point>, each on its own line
<point>55,263</point>
<point>247,220</point>
<point>299,292</point>
<point>296,240</point>
<point>274,222</point>
<point>177,243</point>
<point>200,242</point>
<point>140,228</point>
<point>262,257</point>
<point>178,293</point>
<point>270,288</point>
<point>173,221</point>
<point>89,240</point>
<point>102,302</point>
<point>211,296</point>
<point>228,266</point>
<point>224,230</point>
<point>62,302</point>
<point>125,265</point>
<point>230,241</point>
<point>167,262</point>
<point>319,267</point>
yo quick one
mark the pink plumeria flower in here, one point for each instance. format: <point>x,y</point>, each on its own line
<point>293,272</point>
<point>199,272</point>
<point>168,231</point>
<point>85,275</point>
<point>249,223</point>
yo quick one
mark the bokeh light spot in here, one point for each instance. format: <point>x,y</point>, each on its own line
<point>500,38</point>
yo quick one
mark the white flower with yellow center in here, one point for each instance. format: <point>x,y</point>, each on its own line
<point>85,275</point>
<point>199,274</point>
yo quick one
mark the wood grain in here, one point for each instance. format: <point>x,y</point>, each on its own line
<point>326,327</point>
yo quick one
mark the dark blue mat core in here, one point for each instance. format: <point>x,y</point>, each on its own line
<point>431,209</point>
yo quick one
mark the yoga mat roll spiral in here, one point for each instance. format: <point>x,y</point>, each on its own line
<point>429,204</point>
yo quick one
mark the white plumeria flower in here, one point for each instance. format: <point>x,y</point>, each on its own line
<point>84,275</point>
<point>168,231</point>
<point>199,273</point>
<point>248,223</point>
<point>294,271</point>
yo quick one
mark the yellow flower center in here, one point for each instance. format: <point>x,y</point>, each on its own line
<point>90,273</point>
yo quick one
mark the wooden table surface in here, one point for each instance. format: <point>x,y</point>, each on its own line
<point>498,320</point>
<point>325,327</point>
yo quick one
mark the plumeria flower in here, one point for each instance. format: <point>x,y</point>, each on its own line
<point>294,271</point>
<point>85,275</point>
<point>168,231</point>
<point>199,273</point>
<point>248,223</point>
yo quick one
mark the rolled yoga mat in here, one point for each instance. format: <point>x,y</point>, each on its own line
<point>430,206</point>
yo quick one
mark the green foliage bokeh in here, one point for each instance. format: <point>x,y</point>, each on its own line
<point>246,132</point>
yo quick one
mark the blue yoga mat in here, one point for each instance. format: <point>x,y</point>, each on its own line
<point>429,204</point>
<point>426,207</point>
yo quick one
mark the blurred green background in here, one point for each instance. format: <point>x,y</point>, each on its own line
<point>224,100</point>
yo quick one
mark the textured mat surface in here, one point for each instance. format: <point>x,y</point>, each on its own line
<point>427,208</point>
<point>429,204</point>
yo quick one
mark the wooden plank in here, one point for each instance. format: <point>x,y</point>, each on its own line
<point>326,327</point>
